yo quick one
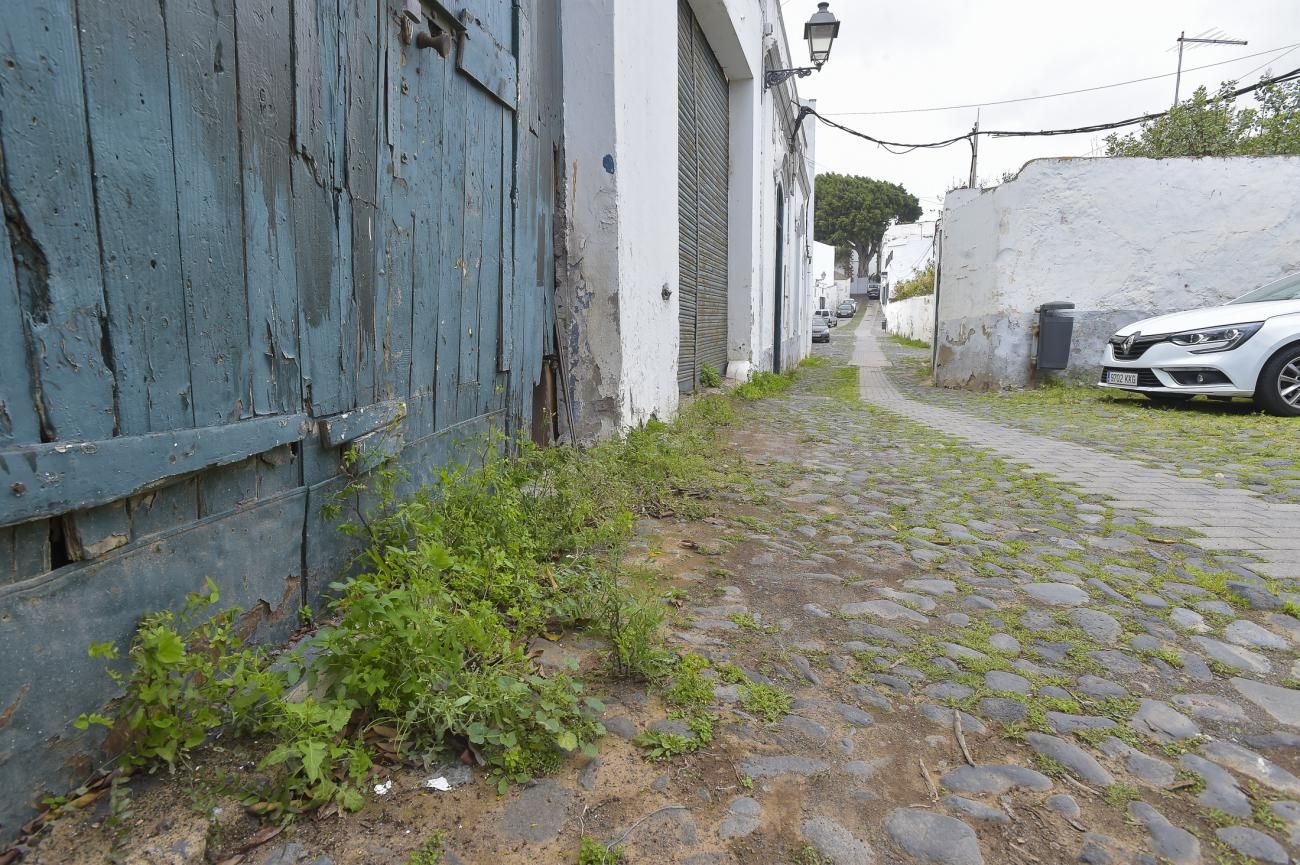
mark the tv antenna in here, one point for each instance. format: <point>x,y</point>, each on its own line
<point>1212,36</point>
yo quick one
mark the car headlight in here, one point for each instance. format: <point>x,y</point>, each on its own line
<point>1216,338</point>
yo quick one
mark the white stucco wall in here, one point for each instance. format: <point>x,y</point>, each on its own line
<point>823,291</point>
<point>912,318</point>
<point>587,301</point>
<point>908,248</point>
<point>619,253</point>
<point>1123,239</point>
<point>647,230</point>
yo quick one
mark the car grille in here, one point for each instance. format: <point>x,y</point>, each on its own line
<point>1146,378</point>
<point>1140,346</point>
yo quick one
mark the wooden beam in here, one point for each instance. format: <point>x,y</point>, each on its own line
<point>340,429</point>
<point>50,479</point>
<point>488,62</point>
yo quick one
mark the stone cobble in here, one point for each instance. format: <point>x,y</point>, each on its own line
<point>1225,519</point>
<point>924,638</point>
<point>1227,444</point>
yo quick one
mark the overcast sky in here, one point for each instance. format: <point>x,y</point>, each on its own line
<point>906,55</point>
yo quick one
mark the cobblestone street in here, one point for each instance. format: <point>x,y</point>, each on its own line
<point>929,638</point>
<point>1230,519</point>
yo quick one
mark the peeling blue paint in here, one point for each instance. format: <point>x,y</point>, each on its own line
<point>608,162</point>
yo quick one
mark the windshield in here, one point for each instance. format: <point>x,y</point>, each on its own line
<point>818,320</point>
<point>1286,288</point>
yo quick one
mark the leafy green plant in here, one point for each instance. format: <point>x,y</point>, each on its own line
<point>731,674</point>
<point>428,644</point>
<point>1205,125</point>
<point>768,702</point>
<point>632,625</point>
<point>1262,812</point>
<point>764,384</point>
<point>908,342</point>
<point>185,681</point>
<point>1120,795</point>
<point>809,855</point>
<point>594,853</point>
<point>709,376</point>
<point>430,852</point>
<point>659,745</point>
<point>317,761</point>
<point>918,286</point>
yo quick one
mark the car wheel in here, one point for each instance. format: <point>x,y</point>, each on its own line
<point>1278,390</point>
<point>1169,398</point>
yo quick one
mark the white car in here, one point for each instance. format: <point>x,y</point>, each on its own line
<point>1250,347</point>
<point>827,316</point>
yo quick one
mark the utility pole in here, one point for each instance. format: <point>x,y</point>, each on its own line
<point>974,150</point>
<point>1183,39</point>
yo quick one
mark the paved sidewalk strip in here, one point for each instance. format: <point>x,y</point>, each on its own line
<point>1232,520</point>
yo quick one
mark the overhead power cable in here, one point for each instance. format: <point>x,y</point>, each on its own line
<point>1284,48</point>
<point>1024,133</point>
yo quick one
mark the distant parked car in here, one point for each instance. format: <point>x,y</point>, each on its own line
<point>827,316</point>
<point>820,331</point>
<point>873,291</point>
<point>1249,347</point>
<point>844,310</point>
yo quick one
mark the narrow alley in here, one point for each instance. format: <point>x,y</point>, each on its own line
<point>922,637</point>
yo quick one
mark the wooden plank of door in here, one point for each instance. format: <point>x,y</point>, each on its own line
<point>476,148</point>
<point>427,240</point>
<point>45,480</point>
<point>485,60</point>
<point>19,421</point>
<point>51,215</point>
<point>496,214</point>
<point>407,186</point>
<point>201,34</point>
<point>451,264</point>
<point>24,549</point>
<point>124,58</point>
<point>265,124</point>
<point>364,80</point>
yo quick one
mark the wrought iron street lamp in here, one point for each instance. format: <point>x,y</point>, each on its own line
<point>820,31</point>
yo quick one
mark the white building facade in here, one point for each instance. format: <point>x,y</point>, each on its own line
<point>827,292</point>
<point>1121,238</point>
<point>907,249</point>
<point>685,201</point>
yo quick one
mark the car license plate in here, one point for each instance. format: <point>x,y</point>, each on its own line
<point>1125,378</point>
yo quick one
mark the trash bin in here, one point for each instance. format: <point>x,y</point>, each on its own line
<point>1055,329</point>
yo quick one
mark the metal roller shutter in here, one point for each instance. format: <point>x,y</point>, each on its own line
<point>686,186</point>
<point>702,209</point>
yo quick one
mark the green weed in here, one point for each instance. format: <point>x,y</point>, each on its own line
<point>764,384</point>
<point>1120,795</point>
<point>688,690</point>
<point>593,853</point>
<point>809,855</point>
<point>430,852</point>
<point>769,703</point>
<point>908,342</point>
<point>709,376</point>
<point>659,745</point>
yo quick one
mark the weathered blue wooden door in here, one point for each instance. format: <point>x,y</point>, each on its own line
<point>240,237</point>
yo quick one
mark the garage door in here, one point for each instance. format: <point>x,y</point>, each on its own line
<point>702,208</point>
